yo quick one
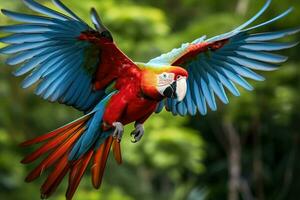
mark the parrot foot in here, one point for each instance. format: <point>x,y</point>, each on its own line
<point>137,133</point>
<point>118,132</point>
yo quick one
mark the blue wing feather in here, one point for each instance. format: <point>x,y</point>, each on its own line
<point>25,28</point>
<point>27,18</point>
<point>272,20</point>
<point>263,46</point>
<point>45,55</point>
<point>44,10</point>
<point>262,56</point>
<point>60,5</point>
<point>263,37</point>
<point>49,48</point>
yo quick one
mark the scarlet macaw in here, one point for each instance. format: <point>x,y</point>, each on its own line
<point>81,66</point>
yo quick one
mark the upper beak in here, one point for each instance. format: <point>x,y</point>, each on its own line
<point>181,88</point>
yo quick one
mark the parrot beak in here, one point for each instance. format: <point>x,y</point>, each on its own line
<point>176,90</point>
<point>181,88</point>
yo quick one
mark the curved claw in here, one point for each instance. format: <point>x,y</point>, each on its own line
<point>118,132</point>
<point>137,133</point>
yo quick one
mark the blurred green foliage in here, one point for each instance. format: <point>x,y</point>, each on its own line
<point>174,160</point>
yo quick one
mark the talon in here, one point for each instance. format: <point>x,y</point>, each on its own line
<point>118,132</point>
<point>137,133</point>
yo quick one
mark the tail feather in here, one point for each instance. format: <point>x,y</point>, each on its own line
<point>55,177</point>
<point>55,132</point>
<point>55,155</point>
<point>50,145</point>
<point>100,162</point>
<point>117,151</point>
<point>76,174</point>
<point>58,146</point>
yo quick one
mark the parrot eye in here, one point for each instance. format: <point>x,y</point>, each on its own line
<point>178,77</point>
<point>165,75</point>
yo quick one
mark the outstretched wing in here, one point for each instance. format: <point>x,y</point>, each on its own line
<point>60,52</point>
<point>223,61</point>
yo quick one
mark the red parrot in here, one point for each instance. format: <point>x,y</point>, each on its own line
<point>81,66</point>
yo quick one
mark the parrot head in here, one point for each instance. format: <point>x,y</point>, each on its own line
<point>165,82</point>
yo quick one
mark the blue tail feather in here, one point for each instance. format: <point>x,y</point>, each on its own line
<point>93,134</point>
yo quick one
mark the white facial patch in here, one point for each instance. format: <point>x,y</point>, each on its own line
<point>165,79</point>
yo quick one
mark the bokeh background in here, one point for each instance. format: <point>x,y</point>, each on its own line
<point>247,150</point>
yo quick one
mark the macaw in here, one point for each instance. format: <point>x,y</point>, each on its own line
<point>80,66</point>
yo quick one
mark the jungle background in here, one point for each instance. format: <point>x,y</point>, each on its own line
<point>247,150</point>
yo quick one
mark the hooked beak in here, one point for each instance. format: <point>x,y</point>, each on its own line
<point>176,90</point>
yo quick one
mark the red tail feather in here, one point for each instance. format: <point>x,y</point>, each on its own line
<point>50,145</point>
<point>54,133</point>
<point>55,155</point>
<point>76,176</point>
<point>58,145</point>
<point>55,177</point>
<point>117,151</point>
<point>100,162</point>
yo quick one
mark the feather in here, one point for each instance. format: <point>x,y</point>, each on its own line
<point>44,10</point>
<point>117,151</point>
<point>263,46</point>
<point>272,20</point>
<point>225,80</point>
<point>27,18</point>
<point>25,28</point>
<point>204,85</point>
<point>15,48</point>
<point>100,162</point>
<point>262,56</point>
<point>198,96</point>
<point>60,5</point>
<point>54,156</point>
<point>191,108</point>
<point>263,37</point>
<point>21,38</point>
<point>215,83</point>
<point>31,64</point>
<point>55,177</point>
<point>58,80</point>
<point>75,180</point>
<point>56,132</point>
<point>160,106</point>
<point>63,90</point>
<point>50,145</point>
<point>252,64</point>
<point>255,17</point>
<point>245,72</point>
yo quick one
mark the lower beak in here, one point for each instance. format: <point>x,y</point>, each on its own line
<point>181,88</point>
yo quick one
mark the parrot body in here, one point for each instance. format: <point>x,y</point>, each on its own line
<point>82,67</point>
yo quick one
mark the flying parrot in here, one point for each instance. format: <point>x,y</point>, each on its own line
<point>81,66</point>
